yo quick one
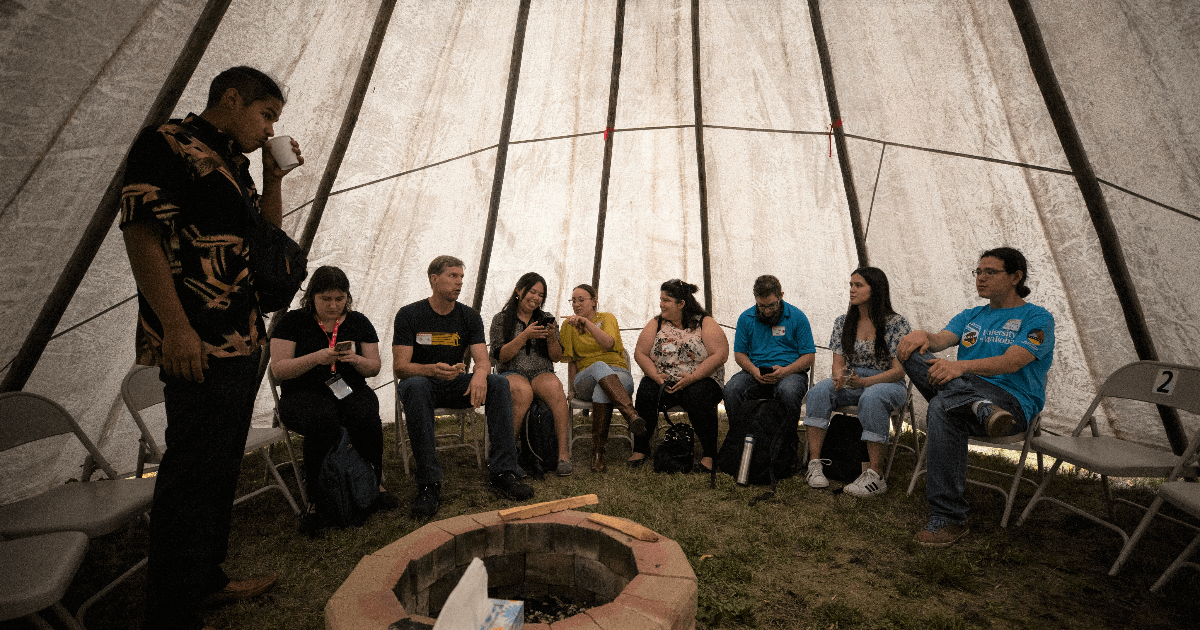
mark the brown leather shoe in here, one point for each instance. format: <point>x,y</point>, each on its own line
<point>242,589</point>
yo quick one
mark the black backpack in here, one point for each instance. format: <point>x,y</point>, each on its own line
<point>347,485</point>
<point>539,442</point>
<point>678,448</point>
<point>844,448</point>
<point>776,444</point>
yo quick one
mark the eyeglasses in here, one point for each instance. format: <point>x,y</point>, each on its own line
<point>579,300</point>
<point>769,307</point>
<point>987,272</point>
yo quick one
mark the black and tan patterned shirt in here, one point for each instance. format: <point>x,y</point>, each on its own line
<point>189,179</point>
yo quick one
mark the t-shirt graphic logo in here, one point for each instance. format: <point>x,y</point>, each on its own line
<point>1013,325</point>
<point>445,339</point>
<point>437,339</point>
<point>1036,336</point>
<point>970,335</point>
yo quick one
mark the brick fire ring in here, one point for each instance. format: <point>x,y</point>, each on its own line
<point>636,585</point>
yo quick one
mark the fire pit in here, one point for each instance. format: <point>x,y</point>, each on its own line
<point>625,583</point>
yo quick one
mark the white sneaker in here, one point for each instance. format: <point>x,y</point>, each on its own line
<point>868,484</point>
<point>816,473</point>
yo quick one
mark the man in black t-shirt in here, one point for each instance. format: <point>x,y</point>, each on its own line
<point>429,345</point>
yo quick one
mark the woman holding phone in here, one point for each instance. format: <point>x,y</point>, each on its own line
<point>322,355</point>
<point>525,347</point>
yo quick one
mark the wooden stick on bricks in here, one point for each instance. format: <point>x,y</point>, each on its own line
<point>539,509</point>
<point>624,526</point>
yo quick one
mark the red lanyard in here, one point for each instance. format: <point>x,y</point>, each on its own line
<point>332,340</point>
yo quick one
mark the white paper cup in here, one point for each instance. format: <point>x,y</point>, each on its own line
<point>281,150</point>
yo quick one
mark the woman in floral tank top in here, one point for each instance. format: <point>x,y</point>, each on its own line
<point>683,352</point>
<point>866,373</point>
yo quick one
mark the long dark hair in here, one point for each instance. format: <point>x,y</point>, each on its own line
<point>879,306</point>
<point>324,279</point>
<point>525,284</point>
<point>693,313</point>
<point>1014,261</point>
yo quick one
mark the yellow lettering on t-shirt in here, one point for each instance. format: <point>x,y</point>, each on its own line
<point>444,339</point>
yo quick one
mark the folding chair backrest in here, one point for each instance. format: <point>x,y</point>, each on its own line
<point>1168,384</point>
<point>26,417</point>
<point>141,390</point>
<point>1155,382</point>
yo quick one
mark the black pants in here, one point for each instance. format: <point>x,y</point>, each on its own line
<point>699,400</point>
<point>317,415</point>
<point>194,490</point>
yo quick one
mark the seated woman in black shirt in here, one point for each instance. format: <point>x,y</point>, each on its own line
<point>322,355</point>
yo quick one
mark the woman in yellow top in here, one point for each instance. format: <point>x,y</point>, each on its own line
<point>597,371</point>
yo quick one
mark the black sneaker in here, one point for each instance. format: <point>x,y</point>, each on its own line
<point>429,499</point>
<point>506,485</point>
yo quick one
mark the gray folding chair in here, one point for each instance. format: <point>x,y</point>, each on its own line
<point>94,508</point>
<point>142,389</point>
<point>1165,384</point>
<point>585,407</point>
<point>35,573</point>
<point>1184,495</point>
<point>466,423</point>
<point>1009,442</point>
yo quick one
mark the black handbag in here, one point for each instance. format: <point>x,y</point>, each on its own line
<point>278,265</point>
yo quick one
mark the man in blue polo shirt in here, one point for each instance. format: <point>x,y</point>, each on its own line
<point>774,347</point>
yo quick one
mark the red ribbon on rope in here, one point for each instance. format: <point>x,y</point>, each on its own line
<point>836,123</point>
<point>608,130</point>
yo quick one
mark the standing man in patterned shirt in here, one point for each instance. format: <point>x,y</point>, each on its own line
<point>184,212</point>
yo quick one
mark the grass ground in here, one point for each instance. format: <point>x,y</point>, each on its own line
<point>804,559</point>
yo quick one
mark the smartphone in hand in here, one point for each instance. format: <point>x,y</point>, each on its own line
<point>343,346</point>
<point>766,369</point>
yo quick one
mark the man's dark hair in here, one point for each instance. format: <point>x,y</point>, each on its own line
<point>1014,261</point>
<point>253,85</point>
<point>767,285</point>
<point>441,263</point>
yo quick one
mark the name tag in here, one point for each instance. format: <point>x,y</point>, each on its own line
<point>778,331</point>
<point>425,339</point>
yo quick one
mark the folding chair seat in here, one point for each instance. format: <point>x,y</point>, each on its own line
<point>897,427</point>
<point>94,508</point>
<point>1155,382</point>
<point>583,430</point>
<point>1008,442</point>
<point>1182,494</point>
<point>142,389</point>
<point>466,423</point>
<point>35,573</point>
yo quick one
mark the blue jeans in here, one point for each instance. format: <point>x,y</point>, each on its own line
<point>949,423</point>
<point>875,405</point>
<point>420,395</point>
<point>587,381</point>
<point>742,387</point>
<point>206,432</point>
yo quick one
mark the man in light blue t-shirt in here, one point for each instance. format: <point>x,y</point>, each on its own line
<point>994,388</point>
<point>774,347</point>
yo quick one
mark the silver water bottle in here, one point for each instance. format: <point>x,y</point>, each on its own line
<point>743,476</point>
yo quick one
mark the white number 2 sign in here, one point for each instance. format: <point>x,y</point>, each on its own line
<point>1165,383</point>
